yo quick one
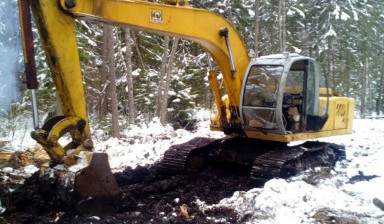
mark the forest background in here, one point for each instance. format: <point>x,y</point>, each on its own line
<point>132,76</point>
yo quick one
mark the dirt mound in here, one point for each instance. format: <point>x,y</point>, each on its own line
<point>38,200</point>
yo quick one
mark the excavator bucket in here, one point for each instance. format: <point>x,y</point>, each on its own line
<point>96,187</point>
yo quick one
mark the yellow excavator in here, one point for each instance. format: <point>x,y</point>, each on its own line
<point>275,98</point>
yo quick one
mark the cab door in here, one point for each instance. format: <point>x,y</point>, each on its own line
<point>313,121</point>
<point>300,103</point>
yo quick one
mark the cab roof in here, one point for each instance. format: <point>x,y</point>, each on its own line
<point>280,59</point>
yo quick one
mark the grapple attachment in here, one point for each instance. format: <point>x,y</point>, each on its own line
<point>95,187</point>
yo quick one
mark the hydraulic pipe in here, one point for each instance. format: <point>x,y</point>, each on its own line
<point>224,32</point>
<point>34,109</point>
<point>210,67</point>
<point>29,56</point>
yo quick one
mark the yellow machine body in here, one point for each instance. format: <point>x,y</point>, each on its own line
<point>283,100</point>
<point>340,120</point>
<point>55,20</point>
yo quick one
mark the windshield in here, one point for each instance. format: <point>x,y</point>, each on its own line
<point>261,85</point>
<point>260,96</point>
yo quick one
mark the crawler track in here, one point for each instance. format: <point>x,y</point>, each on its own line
<point>184,156</point>
<point>266,160</point>
<point>289,161</point>
<point>153,194</point>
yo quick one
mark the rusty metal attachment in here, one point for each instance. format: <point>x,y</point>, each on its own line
<point>96,188</point>
<point>55,128</point>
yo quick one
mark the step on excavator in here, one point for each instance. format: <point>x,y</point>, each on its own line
<point>265,102</point>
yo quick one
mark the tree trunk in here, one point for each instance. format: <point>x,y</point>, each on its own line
<point>160,87</point>
<point>333,67</point>
<point>347,74</point>
<point>284,25</point>
<point>256,28</point>
<point>103,103</point>
<point>369,91</point>
<point>379,103</point>
<point>229,8</point>
<point>271,29</point>
<point>281,19</point>
<point>329,63</point>
<point>364,89</point>
<point>131,105</point>
<point>58,109</point>
<point>126,63</point>
<point>138,52</point>
<point>164,102</point>
<point>112,80</point>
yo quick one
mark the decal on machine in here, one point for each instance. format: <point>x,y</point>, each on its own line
<point>156,16</point>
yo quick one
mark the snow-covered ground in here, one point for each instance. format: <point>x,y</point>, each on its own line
<point>147,143</point>
<point>296,200</point>
<point>300,199</point>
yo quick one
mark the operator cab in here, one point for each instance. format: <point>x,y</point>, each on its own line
<point>280,94</point>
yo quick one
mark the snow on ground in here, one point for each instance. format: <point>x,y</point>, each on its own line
<point>1,208</point>
<point>298,201</point>
<point>146,144</point>
<point>18,137</point>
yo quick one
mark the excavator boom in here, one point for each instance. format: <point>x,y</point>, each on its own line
<point>55,20</point>
<point>56,24</point>
<point>200,26</point>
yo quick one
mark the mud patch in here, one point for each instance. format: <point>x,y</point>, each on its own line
<point>361,177</point>
<point>149,195</point>
<point>38,200</point>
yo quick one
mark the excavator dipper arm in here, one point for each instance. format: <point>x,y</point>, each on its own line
<point>55,20</point>
<point>57,33</point>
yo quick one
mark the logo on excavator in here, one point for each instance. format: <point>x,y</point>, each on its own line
<point>156,16</point>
